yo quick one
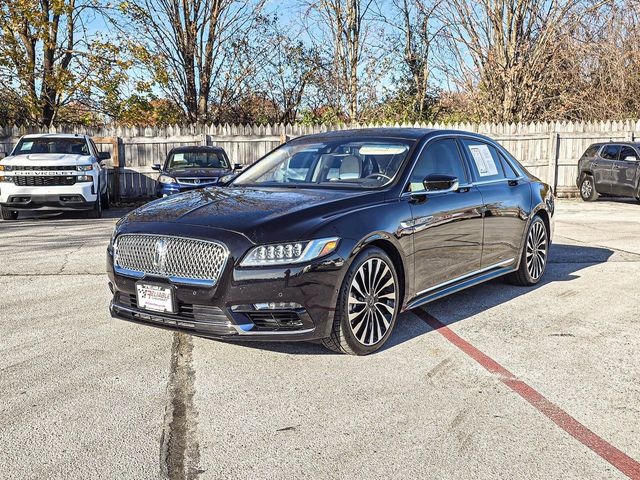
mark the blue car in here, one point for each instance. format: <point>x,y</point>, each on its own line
<point>188,168</point>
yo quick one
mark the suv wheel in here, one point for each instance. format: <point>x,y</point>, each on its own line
<point>534,255</point>
<point>8,214</point>
<point>588,189</point>
<point>368,305</point>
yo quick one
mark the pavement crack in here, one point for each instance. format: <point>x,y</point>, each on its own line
<point>67,257</point>
<point>179,450</point>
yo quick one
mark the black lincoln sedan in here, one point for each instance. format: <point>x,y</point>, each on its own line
<point>330,236</point>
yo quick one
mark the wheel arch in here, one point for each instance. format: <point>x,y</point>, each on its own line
<point>384,242</point>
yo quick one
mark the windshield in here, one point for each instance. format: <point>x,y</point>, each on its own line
<point>185,160</point>
<point>344,162</point>
<point>75,146</point>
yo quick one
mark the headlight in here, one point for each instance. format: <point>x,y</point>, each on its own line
<point>84,178</point>
<point>166,179</point>
<point>85,168</point>
<point>285,253</point>
<point>4,178</point>
<point>5,168</point>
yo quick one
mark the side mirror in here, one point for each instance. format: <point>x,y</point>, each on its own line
<point>631,159</point>
<point>237,166</point>
<point>440,183</point>
<point>104,155</point>
<point>156,166</point>
<point>227,179</point>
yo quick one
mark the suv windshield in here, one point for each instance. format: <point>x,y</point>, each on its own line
<point>75,146</point>
<point>344,162</point>
<point>185,160</point>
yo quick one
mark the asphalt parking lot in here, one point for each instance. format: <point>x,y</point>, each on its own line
<point>494,382</point>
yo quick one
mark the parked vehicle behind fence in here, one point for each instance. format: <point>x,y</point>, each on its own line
<point>187,168</point>
<point>54,172</point>
<point>330,236</point>
<point>609,169</point>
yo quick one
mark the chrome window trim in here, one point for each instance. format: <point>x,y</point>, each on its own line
<point>405,193</point>
<point>467,275</point>
<point>173,279</point>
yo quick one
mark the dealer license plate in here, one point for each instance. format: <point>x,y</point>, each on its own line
<point>155,297</point>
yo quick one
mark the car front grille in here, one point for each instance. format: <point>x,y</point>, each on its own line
<point>43,180</point>
<point>44,168</point>
<point>177,258</point>
<point>197,180</point>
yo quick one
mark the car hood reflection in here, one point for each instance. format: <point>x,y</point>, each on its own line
<point>249,210</point>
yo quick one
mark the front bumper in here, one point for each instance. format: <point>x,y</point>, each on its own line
<point>80,196</point>
<point>225,311</point>
<point>166,189</point>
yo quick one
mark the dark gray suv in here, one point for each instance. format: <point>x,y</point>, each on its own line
<point>609,169</point>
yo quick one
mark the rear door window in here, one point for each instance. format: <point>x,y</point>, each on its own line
<point>484,159</point>
<point>610,152</point>
<point>627,152</point>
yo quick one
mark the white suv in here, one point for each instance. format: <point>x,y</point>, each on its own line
<point>54,172</point>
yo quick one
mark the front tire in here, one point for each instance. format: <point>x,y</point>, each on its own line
<point>96,211</point>
<point>368,305</point>
<point>8,214</point>
<point>588,191</point>
<point>535,254</point>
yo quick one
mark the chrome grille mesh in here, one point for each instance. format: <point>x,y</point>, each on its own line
<point>168,256</point>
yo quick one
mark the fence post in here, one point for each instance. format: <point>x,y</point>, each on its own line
<point>117,165</point>
<point>554,154</point>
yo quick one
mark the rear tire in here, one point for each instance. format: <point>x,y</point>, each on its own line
<point>8,214</point>
<point>535,255</point>
<point>588,191</point>
<point>368,305</point>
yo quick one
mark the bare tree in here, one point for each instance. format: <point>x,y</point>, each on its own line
<point>196,49</point>
<point>417,29</point>
<point>505,51</point>
<point>343,26</point>
<point>290,66</point>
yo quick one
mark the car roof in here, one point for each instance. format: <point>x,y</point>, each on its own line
<point>600,144</point>
<point>395,133</point>
<point>196,148</point>
<point>54,135</point>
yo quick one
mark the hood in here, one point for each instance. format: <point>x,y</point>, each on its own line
<point>198,172</point>
<point>46,159</point>
<point>262,215</point>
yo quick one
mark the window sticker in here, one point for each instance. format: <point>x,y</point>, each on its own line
<point>26,146</point>
<point>178,157</point>
<point>484,160</point>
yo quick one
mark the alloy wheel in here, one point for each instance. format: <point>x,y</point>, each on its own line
<point>586,189</point>
<point>372,301</point>
<point>536,250</point>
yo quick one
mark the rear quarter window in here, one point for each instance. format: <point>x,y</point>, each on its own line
<point>591,151</point>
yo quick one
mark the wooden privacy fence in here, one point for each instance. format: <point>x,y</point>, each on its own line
<point>548,150</point>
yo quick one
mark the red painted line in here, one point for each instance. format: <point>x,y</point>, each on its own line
<point>573,427</point>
